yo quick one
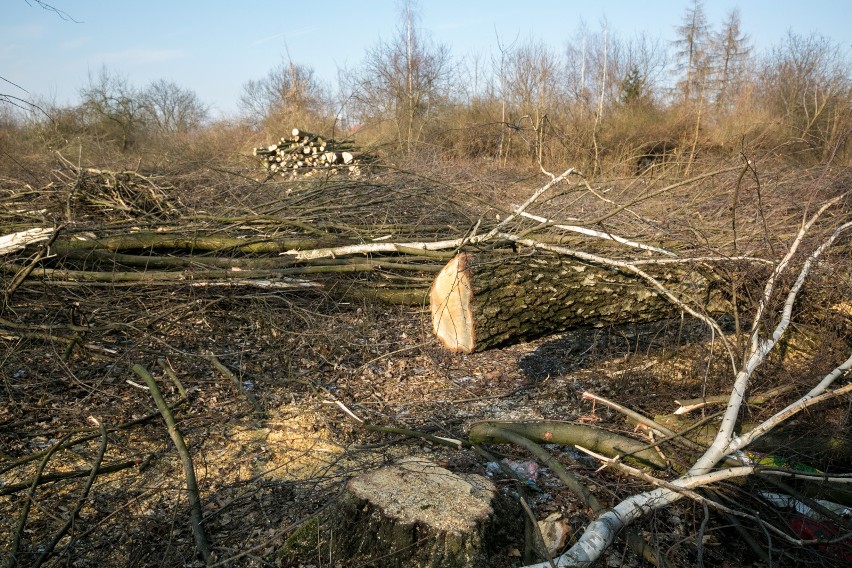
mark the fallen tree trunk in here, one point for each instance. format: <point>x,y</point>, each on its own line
<point>193,243</point>
<point>481,301</point>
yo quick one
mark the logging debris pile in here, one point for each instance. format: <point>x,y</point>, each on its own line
<point>306,154</point>
<point>318,235</point>
<point>92,193</point>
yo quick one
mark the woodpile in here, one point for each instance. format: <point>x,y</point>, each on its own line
<point>306,154</point>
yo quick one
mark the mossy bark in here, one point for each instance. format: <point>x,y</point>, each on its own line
<point>570,434</point>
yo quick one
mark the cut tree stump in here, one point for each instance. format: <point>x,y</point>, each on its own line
<point>481,301</point>
<point>410,513</point>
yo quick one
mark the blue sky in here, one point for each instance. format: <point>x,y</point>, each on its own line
<point>214,47</point>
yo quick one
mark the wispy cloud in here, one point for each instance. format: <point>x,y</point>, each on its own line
<point>140,56</point>
<point>265,39</point>
<point>287,35</point>
<point>27,31</point>
<point>76,43</point>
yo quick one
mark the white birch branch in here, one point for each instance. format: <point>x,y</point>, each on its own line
<point>780,267</point>
<point>724,437</point>
<point>601,532</point>
<point>598,234</point>
<point>809,399</point>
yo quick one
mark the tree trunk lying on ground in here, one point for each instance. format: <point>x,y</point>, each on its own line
<point>411,513</point>
<point>480,301</point>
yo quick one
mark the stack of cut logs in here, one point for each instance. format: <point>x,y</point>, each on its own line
<point>305,154</point>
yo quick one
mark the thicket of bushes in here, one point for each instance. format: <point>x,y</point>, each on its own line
<point>605,104</point>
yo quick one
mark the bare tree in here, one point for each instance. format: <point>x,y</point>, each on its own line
<point>731,54</point>
<point>693,51</point>
<point>170,108</point>
<point>593,85</point>
<point>530,79</point>
<point>806,80</point>
<point>694,54</point>
<point>584,56</point>
<point>288,92</point>
<point>597,64</point>
<point>113,107</point>
<point>646,58</point>
<point>405,80</point>
<point>609,80</point>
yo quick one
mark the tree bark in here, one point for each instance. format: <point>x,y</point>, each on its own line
<point>481,301</point>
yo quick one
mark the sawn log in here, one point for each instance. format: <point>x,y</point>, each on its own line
<point>481,301</point>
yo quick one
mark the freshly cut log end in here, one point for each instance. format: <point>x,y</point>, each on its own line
<point>450,303</point>
<point>482,301</point>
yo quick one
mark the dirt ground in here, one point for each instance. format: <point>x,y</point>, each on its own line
<point>270,443</point>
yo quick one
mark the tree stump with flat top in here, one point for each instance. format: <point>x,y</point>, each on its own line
<point>411,513</point>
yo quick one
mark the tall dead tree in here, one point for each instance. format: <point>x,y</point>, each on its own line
<point>731,51</point>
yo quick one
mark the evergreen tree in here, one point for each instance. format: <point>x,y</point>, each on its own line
<point>632,87</point>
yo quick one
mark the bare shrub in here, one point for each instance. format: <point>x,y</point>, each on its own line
<point>805,82</point>
<point>290,95</point>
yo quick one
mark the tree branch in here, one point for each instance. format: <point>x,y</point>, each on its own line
<point>186,459</point>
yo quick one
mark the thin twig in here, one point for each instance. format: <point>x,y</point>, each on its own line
<point>258,408</point>
<point>12,559</point>
<point>81,502</point>
<point>536,529</point>
<point>170,373</point>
